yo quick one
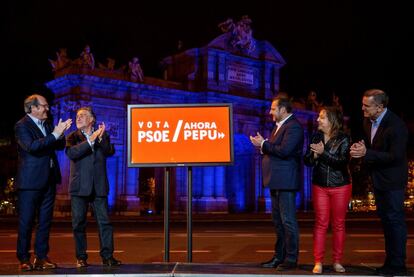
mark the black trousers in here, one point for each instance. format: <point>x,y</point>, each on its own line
<point>390,209</point>
<point>80,206</point>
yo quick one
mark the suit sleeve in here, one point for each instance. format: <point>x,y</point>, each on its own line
<point>60,143</point>
<point>75,149</point>
<point>290,141</point>
<point>106,145</point>
<point>25,140</point>
<point>396,140</point>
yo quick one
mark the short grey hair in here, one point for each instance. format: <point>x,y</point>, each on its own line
<point>91,112</point>
<point>32,100</point>
<point>379,96</point>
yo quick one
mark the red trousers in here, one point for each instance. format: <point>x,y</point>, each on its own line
<point>330,204</point>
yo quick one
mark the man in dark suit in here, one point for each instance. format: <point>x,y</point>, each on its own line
<point>87,150</point>
<point>38,173</point>
<point>282,154</point>
<point>384,149</point>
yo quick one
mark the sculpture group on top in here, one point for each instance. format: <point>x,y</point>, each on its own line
<point>241,33</point>
<point>86,62</point>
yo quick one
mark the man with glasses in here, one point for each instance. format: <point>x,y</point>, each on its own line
<point>37,175</point>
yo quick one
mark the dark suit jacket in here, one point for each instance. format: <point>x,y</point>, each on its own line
<point>87,166</point>
<point>387,155</point>
<point>282,156</point>
<point>34,154</point>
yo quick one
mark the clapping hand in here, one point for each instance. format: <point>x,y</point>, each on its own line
<point>102,127</point>
<point>98,133</point>
<point>358,149</point>
<point>317,148</point>
<point>62,126</point>
<point>257,140</point>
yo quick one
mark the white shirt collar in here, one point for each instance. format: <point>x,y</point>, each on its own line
<point>280,123</point>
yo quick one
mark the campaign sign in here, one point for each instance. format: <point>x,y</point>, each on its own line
<point>180,135</point>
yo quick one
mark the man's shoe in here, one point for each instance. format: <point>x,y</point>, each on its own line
<point>287,266</point>
<point>81,263</point>
<point>42,264</point>
<point>111,261</point>
<point>391,270</point>
<point>272,263</point>
<point>25,266</point>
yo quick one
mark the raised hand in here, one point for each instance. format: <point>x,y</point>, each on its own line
<point>62,126</point>
<point>68,123</point>
<point>95,134</point>
<point>102,127</point>
<point>257,140</point>
<point>317,148</point>
<point>358,149</point>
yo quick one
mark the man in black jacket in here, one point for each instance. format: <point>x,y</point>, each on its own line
<point>87,150</point>
<point>384,149</point>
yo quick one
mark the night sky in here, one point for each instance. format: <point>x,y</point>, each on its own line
<point>344,47</point>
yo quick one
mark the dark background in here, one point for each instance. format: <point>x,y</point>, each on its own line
<point>344,47</point>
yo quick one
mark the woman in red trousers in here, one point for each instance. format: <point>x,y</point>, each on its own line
<point>328,154</point>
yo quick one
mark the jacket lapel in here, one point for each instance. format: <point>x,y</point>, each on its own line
<point>281,129</point>
<point>81,138</point>
<point>381,128</point>
<point>34,127</point>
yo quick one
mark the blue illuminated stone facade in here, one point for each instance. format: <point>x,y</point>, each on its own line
<point>215,73</point>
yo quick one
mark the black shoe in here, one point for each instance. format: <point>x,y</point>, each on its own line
<point>111,261</point>
<point>272,263</point>
<point>42,264</point>
<point>388,270</point>
<point>25,266</point>
<point>81,263</point>
<point>287,266</point>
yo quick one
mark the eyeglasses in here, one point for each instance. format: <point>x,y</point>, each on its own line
<point>46,106</point>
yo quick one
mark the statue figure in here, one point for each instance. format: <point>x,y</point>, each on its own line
<point>109,66</point>
<point>86,58</point>
<point>241,33</point>
<point>135,71</point>
<point>227,26</point>
<point>61,59</point>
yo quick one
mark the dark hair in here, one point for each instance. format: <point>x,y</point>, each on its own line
<point>91,112</point>
<point>335,117</point>
<point>379,96</point>
<point>283,102</point>
<point>30,101</point>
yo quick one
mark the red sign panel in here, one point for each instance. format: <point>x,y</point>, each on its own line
<point>180,135</point>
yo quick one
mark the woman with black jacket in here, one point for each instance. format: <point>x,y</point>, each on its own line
<point>328,154</point>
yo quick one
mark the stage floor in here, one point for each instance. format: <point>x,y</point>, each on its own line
<point>185,269</point>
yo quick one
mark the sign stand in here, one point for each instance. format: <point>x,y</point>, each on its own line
<point>189,214</point>
<point>166,214</point>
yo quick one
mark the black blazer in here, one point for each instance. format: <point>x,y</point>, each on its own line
<point>34,154</point>
<point>282,155</point>
<point>87,166</point>
<point>387,155</point>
